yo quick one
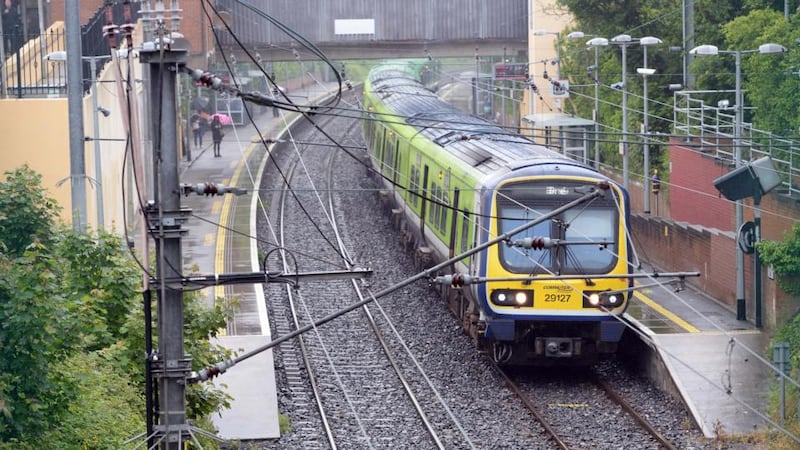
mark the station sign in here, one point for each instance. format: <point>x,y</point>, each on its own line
<point>560,89</point>
<point>511,71</point>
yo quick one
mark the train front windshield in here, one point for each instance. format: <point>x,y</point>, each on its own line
<point>587,227</point>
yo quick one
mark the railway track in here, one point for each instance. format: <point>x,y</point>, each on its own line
<point>348,365</point>
<point>465,401</point>
<point>574,412</point>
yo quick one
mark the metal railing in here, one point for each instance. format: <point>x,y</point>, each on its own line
<point>28,73</point>
<point>32,71</point>
<point>711,128</point>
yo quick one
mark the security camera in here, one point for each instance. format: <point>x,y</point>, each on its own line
<point>104,111</point>
<point>617,85</point>
<point>723,104</point>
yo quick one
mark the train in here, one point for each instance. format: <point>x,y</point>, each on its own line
<point>536,247</point>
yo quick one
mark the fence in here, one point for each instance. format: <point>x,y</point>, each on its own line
<point>712,129</point>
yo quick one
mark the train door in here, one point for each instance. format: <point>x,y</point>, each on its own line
<point>424,192</point>
<point>413,197</point>
<point>388,155</point>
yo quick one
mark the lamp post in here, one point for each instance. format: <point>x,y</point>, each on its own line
<point>645,72</point>
<point>98,168</point>
<point>711,50</point>
<point>624,40</point>
<point>596,42</point>
<point>558,48</point>
<point>98,176</point>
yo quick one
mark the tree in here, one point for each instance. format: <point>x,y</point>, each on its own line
<point>71,331</point>
<point>26,213</point>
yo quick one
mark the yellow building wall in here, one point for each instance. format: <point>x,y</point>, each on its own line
<point>543,15</point>
<point>36,132</point>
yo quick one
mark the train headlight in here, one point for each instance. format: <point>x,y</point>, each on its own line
<point>607,299</point>
<point>512,297</point>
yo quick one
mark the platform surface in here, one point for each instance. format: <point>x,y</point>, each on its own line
<point>714,359</point>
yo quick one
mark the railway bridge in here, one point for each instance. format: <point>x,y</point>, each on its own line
<point>372,29</point>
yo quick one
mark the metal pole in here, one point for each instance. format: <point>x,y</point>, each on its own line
<point>596,109</point>
<point>98,173</point>
<point>646,162</point>
<point>756,257</point>
<point>624,117</point>
<point>77,163</point>
<point>475,86</point>
<point>558,56</point>
<point>741,310</point>
<point>173,365</point>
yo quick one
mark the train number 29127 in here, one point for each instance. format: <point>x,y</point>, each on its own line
<point>562,298</point>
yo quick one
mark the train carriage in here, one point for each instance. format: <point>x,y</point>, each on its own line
<point>549,293</point>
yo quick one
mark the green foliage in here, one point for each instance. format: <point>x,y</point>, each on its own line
<point>105,413</point>
<point>98,268</point>
<point>37,332</point>
<point>784,257</point>
<point>27,214</point>
<point>72,334</point>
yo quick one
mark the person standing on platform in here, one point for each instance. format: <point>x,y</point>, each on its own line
<point>275,112</point>
<point>197,129</point>
<point>216,135</point>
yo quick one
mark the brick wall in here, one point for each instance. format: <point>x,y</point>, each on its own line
<point>694,198</point>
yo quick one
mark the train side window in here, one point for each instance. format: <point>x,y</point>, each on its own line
<point>413,186</point>
<point>388,153</point>
<point>378,148</point>
<point>443,209</point>
<point>396,162</point>
<point>464,230</point>
<point>434,203</point>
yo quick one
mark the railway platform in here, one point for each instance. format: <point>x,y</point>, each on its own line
<point>713,360</point>
<point>220,238</point>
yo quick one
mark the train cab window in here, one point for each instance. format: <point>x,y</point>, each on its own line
<point>519,260</point>
<point>595,222</point>
<point>590,225</point>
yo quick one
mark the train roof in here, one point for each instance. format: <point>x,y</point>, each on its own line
<point>483,145</point>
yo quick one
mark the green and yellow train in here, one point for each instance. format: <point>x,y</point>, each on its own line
<point>552,290</point>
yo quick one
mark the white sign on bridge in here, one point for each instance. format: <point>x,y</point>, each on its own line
<point>354,26</point>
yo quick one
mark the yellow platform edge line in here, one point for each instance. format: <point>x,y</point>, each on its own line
<point>689,328</point>
<point>222,232</point>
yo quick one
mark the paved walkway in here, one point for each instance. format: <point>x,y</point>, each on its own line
<point>221,239</point>
<point>712,358</point>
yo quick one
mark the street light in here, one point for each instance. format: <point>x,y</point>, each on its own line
<point>645,72</point>
<point>98,176</point>
<point>624,40</point>
<point>558,48</point>
<point>596,42</point>
<point>711,50</point>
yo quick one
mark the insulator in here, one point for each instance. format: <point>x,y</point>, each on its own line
<point>455,280</point>
<point>535,243</point>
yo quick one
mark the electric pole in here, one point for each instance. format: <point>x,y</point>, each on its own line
<point>169,366</point>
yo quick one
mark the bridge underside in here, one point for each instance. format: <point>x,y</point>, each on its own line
<point>393,49</point>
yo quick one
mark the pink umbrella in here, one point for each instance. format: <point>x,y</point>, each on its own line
<point>224,119</point>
